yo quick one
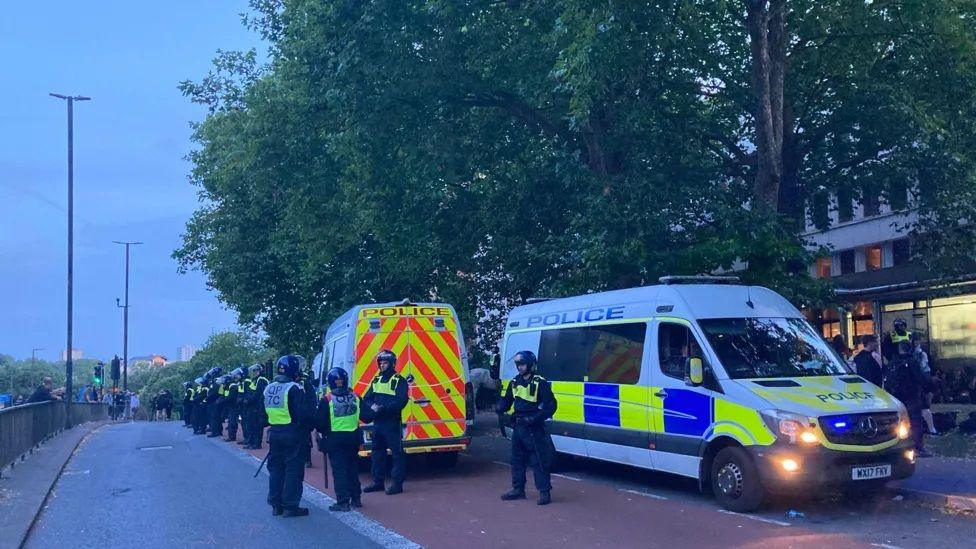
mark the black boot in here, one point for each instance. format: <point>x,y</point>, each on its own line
<point>514,493</point>
<point>544,498</point>
<point>357,502</point>
<point>340,506</point>
<point>375,487</point>
<point>295,512</point>
<point>277,511</point>
<point>395,489</point>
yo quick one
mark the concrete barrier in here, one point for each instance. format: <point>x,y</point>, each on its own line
<point>23,427</point>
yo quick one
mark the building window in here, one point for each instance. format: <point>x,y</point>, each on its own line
<point>845,206</point>
<point>823,267</point>
<point>847,262</point>
<point>899,197</point>
<point>872,257</point>
<point>870,202</point>
<point>900,252</point>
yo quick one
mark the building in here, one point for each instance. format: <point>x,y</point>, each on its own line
<point>76,354</point>
<point>186,352</point>
<point>148,360</point>
<point>876,282</point>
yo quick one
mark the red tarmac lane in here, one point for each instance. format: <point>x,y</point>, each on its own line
<point>460,507</point>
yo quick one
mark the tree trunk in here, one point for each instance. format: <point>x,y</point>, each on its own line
<point>765,21</point>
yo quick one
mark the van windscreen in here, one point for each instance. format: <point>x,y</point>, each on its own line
<point>770,348</point>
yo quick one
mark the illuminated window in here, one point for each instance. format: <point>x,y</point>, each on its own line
<point>872,257</point>
<point>823,267</point>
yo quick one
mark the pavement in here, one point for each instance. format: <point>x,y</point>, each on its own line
<point>155,485</point>
<point>944,482</point>
<point>25,487</point>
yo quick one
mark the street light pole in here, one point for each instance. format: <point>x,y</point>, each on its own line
<point>69,361</point>
<point>125,324</point>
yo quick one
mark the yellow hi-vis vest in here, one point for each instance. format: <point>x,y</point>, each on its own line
<point>528,393</point>
<point>388,387</point>
<point>276,402</point>
<point>344,412</point>
<point>222,391</point>
<point>252,384</point>
<point>897,338</point>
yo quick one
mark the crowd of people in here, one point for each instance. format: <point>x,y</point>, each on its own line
<point>292,407</point>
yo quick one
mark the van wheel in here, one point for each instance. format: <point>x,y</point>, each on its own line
<point>735,480</point>
<point>443,460</point>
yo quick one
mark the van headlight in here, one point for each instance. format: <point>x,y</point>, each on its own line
<point>790,427</point>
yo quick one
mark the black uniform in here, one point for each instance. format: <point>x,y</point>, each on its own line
<point>200,410</point>
<point>387,426</point>
<point>531,443</point>
<point>341,446</point>
<point>213,409</point>
<point>908,383</point>
<point>231,411</point>
<point>254,404</point>
<point>187,406</point>
<point>286,456</point>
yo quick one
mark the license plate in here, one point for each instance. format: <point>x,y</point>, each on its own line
<point>870,472</point>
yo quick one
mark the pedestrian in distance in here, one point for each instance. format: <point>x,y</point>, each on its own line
<point>918,352</point>
<point>44,392</point>
<point>385,399</point>
<point>906,382</point>
<point>337,421</point>
<point>290,412</point>
<point>867,362</point>
<point>133,406</point>
<point>531,399</point>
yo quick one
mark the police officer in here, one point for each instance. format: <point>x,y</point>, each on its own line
<point>889,347</point>
<point>200,406</point>
<point>187,404</point>
<point>386,398</point>
<point>232,411</point>
<point>290,410</point>
<point>213,407</point>
<point>337,420</point>
<point>534,403</point>
<point>254,406</point>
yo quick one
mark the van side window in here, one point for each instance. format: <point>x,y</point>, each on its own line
<point>518,341</point>
<point>602,354</point>
<point>335,353</point>
<point>676,344</point>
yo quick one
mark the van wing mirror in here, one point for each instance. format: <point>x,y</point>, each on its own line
<point>696,372</point>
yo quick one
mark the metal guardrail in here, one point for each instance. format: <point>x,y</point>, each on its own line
<point>23,427</point>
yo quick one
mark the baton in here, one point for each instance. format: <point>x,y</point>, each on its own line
<point>262,464</point>
<point>325,467</point>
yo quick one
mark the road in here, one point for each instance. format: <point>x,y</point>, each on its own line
<point>197,492</point>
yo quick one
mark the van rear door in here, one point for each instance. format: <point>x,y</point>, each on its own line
<point>432,363</point>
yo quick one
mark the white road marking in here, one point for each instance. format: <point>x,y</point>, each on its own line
<point>754,517</point>
<point>644,494</point>
<point>154,448</point>
<point>885,546</point>
<point>502,463</point>
<point>577,479</point>
<point>78,472</point>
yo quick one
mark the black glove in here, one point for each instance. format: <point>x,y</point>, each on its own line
<point>523,421</point>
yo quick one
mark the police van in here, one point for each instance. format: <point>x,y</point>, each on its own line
<point>704,378</point>
<point>427,339</point>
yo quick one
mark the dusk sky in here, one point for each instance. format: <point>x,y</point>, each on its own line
<point>130,173</point>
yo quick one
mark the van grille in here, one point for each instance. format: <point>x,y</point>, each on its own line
<point>860,429</point>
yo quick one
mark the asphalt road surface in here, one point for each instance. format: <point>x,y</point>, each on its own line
<point>152,485</point>
<point>200,492</point>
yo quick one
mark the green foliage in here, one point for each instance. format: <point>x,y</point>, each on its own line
<point>19,377</point>
<point>481,153</point>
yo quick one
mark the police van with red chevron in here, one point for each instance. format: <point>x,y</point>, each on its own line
<point>709,379</point>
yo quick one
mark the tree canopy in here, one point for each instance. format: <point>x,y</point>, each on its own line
<point>482,152</point>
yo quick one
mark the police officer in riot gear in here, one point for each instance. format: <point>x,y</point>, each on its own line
<point>385,399</point>
<point>290,412</point>
<point>231,403</point>
<point>187,404</point>
<point>214,396</point>
<point>900,334</point>
<point>337,420</point>
<point>199,406</point>
<point>533,402</point>
<point>254,406</point>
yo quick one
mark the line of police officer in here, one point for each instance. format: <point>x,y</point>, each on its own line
<point>289,405</point>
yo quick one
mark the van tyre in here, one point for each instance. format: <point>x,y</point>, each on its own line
<point>735,480</point>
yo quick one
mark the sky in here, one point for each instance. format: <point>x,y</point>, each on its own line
<point>130,171</point>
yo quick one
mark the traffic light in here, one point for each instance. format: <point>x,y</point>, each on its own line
<point>116,368</point>
<point>99,374</point>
